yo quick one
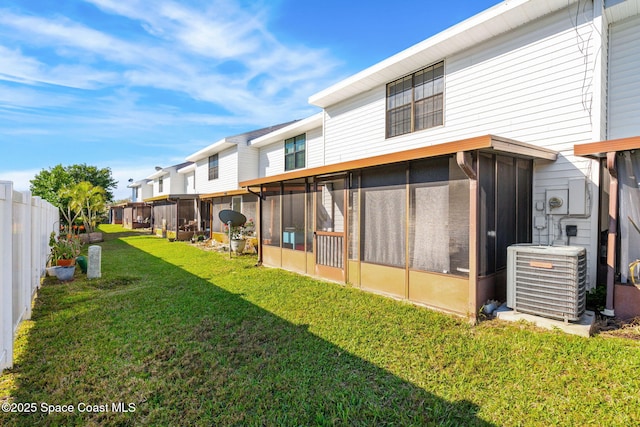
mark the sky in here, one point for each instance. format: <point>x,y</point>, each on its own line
<point>135,84</point>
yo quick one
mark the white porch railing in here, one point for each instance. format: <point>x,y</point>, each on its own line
<point>25,225</point>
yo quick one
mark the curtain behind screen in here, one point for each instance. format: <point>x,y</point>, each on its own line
<point>429,232</point>
<point>439,217</point>
<point>384,215</point>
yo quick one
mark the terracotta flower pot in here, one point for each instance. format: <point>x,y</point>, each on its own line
<point>66,262</point>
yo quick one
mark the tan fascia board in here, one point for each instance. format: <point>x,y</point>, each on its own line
<point>486,142</point>
<point>170,197</point>
<point>601,148</point>
<point>521,149</point>
<point>238,192</point>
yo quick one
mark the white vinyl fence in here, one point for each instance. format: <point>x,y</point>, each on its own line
<point>25,225</point>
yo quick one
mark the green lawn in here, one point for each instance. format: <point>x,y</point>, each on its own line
<point>189,337</point>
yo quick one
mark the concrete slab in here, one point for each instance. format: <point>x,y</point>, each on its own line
<point>582,327</point>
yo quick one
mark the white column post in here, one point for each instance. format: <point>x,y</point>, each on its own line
<point>6,279</point>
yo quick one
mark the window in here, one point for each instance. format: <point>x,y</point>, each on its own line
<point>160,185</point>
<point>213,167</point>
<point>415,102</point>
<point>294,152</point>
<point>236,203</point>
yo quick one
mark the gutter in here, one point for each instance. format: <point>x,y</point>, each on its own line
<point>611,238</point>
<point>465,162</point>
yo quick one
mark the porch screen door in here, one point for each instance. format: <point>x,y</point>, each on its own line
<point>330,229</point>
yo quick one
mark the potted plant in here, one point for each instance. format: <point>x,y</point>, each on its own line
<point>64,251</point>
<point>237,237</point>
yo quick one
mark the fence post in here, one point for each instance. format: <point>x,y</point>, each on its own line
<point>6,279</point>
<point>21,256</point>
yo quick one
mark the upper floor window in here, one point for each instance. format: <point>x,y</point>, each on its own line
<point>294,152</point>
<point>213,167</point>
<point>160,185</point>
<point>415,102</point>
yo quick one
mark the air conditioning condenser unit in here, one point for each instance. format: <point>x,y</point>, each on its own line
<point>548,281</point>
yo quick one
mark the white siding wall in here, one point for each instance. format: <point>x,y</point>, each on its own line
<point>248,162</point>
<point>177,183</point>
<point>202,176</point>
<point>624,80</point>
<point>166,180</point>
<point>146,191</point>
<point>189,180</point>
<point>271,157</point>
<point>532,85</point>
<point>528,85</point>
<point>227,173</point>
<point>315,148</point>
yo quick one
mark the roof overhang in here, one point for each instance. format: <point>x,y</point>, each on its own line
<point>238,192</point>
<point>618,10</point>
<point>290,131</point>
<point>212,149</point>
<point>485,143</point>
<point>187,169</point>
<point>138,183</point>
<point>494,21</point>
<point>158,174</point>
<point>172,197</point>
<point>600,149</point>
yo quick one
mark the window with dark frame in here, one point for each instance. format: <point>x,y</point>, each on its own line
<point>213,167</point>
<point>160,185</point>
<point>416,102</point>
<point>294,152</point>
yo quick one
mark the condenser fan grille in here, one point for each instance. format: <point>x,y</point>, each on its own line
<point>547,281</point>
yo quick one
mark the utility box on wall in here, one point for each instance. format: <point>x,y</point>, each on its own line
<point>557,202</point>
<point>577,196</point>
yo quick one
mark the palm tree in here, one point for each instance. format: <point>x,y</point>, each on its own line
<point>86,201</point>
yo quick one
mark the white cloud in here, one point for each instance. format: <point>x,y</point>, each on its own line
<point>20,178</point>
<point>132,86</point>
<point>222,32</point>
<point>16,67</point>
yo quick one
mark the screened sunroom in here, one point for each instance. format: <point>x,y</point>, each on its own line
<point>175,216</point>
<point>238,200</point>
<point>429,225</point>
<point>619,222</point>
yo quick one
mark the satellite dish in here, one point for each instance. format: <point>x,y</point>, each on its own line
<point>235,218</point>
